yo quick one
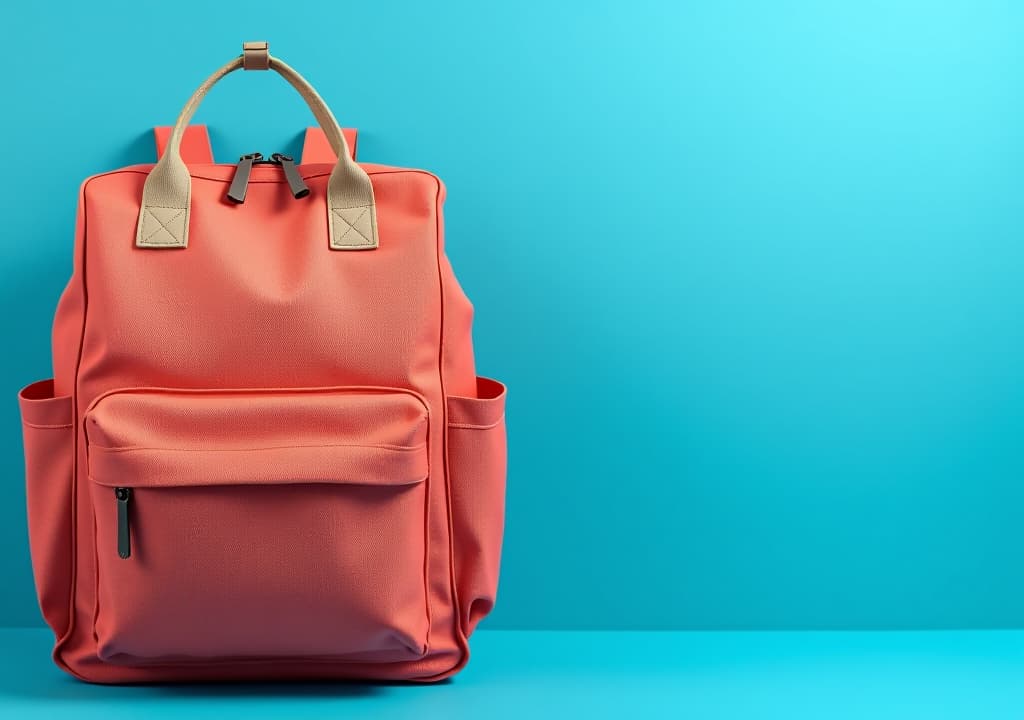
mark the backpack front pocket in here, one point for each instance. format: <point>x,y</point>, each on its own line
<point>235,525</point>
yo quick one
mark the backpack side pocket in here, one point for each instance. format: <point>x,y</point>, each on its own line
<point>477,466</point>
<point>48,432</point>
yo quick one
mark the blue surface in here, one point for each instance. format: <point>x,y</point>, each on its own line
<point>726,676</point>
<point>751,270</point>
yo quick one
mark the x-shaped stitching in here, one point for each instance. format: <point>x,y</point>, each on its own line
<point>352,226</point>
<point>163,226</point>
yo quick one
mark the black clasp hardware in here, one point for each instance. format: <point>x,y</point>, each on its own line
<point>240,181</point>
<point>124,532</point>
<point>295,182</point>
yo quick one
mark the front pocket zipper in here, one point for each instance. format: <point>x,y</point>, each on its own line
<point>124,531</point>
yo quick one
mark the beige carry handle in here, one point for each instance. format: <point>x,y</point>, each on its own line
<point>167,194</point>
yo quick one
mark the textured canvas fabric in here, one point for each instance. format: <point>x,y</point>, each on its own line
<point>314,474</point>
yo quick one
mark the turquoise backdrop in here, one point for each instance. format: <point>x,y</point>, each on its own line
<point>753,272</point>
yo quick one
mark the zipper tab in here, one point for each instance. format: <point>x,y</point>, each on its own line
<point>295,182</point>
<point>240,181</point>
<point>124,535</point>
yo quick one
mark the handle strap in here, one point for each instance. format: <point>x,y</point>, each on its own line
<point>195,145</point>
<point>167,194</point>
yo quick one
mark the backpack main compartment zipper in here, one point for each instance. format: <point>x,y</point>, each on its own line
<point>240,180</point>
<point>295,182</point>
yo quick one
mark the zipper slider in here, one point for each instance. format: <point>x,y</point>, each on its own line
<point>240,181</point>
<point>124,535</point>
<point>295,182</point>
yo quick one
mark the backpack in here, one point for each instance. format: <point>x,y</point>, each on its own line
<point>264,452</point>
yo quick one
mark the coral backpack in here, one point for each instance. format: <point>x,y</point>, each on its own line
<point>264,452</point>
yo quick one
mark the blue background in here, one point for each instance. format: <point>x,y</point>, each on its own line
<point>751,270</point>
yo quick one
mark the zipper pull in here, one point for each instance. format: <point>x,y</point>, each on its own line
<point>295,182</point>
<point>240,181</point>
<point>124,535</point>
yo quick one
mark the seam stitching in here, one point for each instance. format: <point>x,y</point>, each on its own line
<point>474,426</point>
<point>351,227</point>
<point>163,227</point>
<point>392,448</point>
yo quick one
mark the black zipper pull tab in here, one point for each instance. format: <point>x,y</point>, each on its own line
<point>240,182</point>
<point>295,182</point>
<point>124,535</point>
